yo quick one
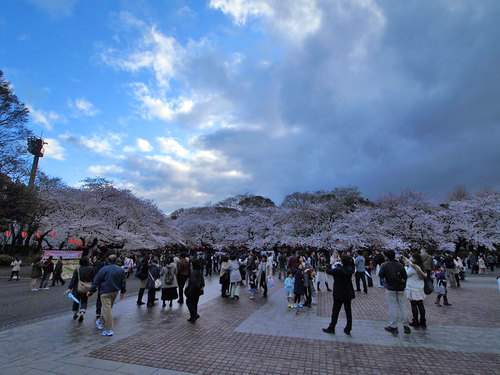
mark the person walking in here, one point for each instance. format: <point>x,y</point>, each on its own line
<point>224,278</point>
<point>153,275</point>
<point>450,269</point>
<point>298,286</point>
<point>194,289</point>
<point>182,275</point>
<point>16,267</point>
<point>321,275</point>
<point>395,277</point>
<point>36,273</point>
<point>169,282</point>
<point>234,277</point>
<point>84,273</point>
<point>142,275</point>
<point>57,274</point>
<point>415,289</point>
<point>343,293</point>
<point>111,279</point>
<point>48,268</point>
<point>359,263</point>
<point>281,265</point>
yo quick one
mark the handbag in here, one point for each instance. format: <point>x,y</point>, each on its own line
<point>83,286</point>
<point>270,282</point>
<point>439,289</point>
<point>428,286</point>
<point>157,281</point>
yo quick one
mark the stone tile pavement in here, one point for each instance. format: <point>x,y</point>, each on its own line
<point>263,336</point>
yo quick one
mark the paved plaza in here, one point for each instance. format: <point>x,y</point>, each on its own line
<point>263,336</point>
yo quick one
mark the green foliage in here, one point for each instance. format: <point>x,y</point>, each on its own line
<point>6,260</point>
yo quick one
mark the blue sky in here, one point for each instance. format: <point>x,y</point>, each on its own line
<point>188,102</point>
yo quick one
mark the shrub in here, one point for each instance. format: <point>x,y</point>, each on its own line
<point>6,260</point>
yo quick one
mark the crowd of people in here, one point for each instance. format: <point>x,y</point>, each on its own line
<point>180,276</point>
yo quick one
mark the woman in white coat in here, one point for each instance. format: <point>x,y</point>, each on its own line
<point>415,288</point>
<point>234,276</point>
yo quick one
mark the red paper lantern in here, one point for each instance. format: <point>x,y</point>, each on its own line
<point>38,234</point>
<point>340,242</point>
<point>24,234</point>
<point>53,234</point>
<point>8,233</point>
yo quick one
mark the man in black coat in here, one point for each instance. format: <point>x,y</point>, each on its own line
<point>57,274</point>
<point>343,293</point>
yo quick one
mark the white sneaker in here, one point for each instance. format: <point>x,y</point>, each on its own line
<point>99,325</point>
<point>107,333</point>
<point>46,288</point>
<point>34,289</point>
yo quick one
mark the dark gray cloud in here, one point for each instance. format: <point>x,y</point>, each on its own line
<point>387,97</point>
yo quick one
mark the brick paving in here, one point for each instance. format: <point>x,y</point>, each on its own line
<point>471,305</point>
<point>223,341</point>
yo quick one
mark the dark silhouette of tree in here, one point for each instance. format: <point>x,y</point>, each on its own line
<point>13,133</point>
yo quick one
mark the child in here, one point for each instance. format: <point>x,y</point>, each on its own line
<point>253,285</point>
<point>441,281</point>
<point>289,283</point>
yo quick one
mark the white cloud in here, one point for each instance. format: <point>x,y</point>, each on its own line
<point>171,146</point>
<point>140,145</point>
<point>155,51</point>
<point>158,107</point>
<point>83,106</point>
<point>241,10</point>
<point>293,19</point>
<point>104,144</point>
<point>104,170</point>
<point>54,150</point>
<point>46,118</point>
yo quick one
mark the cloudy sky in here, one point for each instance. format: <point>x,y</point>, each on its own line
<point>189,102</point>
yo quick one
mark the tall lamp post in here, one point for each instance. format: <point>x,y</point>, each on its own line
<point>35,147</point>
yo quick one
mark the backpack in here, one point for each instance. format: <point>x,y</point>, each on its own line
<point>142,274</point>
<point>169,276</point>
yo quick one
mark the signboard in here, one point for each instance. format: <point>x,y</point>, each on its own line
<point>63,254</point>
<point>70,263</point>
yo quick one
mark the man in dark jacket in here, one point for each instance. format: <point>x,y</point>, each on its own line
<point>56,276</point>
<point>343,293</point>
<point>111,279</point>
<point>142,275</point>
<point>153,274</point>
<point>395,277</point>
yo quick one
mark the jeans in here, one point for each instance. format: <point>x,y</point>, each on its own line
<point>397,301</point>
<point>82,306</point>
<point>45,280</point>
<point>361,276</point>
